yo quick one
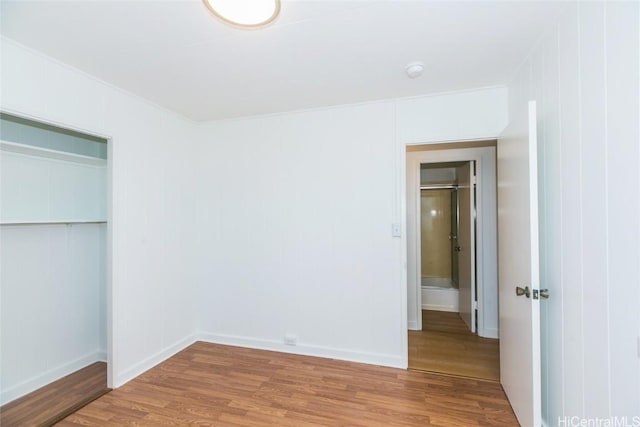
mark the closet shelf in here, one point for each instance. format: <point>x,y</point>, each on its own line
<point>32,150</point>
<point>53,222</point>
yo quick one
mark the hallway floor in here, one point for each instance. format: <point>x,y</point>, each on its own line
<point>446,346</point>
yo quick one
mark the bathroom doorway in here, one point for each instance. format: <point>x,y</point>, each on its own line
<point>452,244</point>
<point>444,243</point>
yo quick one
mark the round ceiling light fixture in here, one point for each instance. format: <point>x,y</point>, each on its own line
<point>245,13</point>
<point>414,69</point>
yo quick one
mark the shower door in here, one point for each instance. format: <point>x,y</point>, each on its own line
<point>435,243</point>
<point>455,219</point>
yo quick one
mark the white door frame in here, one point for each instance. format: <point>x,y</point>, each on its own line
<point>486,256</point>
<point>466,235</point>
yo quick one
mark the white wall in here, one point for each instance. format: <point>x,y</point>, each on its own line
<point>299,209</point>
<point>585,77</point>
<point>151,195</point>
<point>457,116</point>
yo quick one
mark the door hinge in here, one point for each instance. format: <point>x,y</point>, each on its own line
<point>542,293</point>
<point>474,180</point>
<point>475,305</point>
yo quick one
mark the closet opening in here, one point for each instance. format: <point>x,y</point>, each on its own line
<point>53,264</point>
<point>452,259</point>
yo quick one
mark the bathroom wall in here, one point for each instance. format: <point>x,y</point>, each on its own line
<point>437,175</point>
<point>434,234</point>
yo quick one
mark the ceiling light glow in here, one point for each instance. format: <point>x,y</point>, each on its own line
<point>245,13</point>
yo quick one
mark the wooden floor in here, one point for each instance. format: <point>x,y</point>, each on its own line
<point>215,385</point>
<point>445,345</point>
<point>52,402</point>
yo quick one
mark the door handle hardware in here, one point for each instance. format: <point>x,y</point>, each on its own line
<point>520,291</point>
<point>457,249</point>
<point>544,293</point>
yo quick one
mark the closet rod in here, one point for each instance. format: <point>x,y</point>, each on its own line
<point>439,187</point>
<point>53,222</point>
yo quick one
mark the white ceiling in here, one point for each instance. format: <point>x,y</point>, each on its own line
<point>178,55</point>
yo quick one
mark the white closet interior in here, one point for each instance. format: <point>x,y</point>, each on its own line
<point>53,192</point>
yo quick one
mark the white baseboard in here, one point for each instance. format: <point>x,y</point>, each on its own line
<point>50,376</point>
<point>412,325</point>
<point>148,363</point>
<point>260,344</point>
<point>489,333</point>
<point>305,350</point>
<point>435,307</point>
<point>151,361</point>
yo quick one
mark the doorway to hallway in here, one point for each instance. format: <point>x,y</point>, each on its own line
<point>452,263</point>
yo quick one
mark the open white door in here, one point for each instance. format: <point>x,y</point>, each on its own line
<point>518,261</point>
<point>466,247</point>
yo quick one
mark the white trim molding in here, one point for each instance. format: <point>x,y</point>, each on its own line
<point>148,363</point>
<point>389,360</point>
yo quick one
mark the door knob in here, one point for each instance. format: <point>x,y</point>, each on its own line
<point>520,291</point>
<point>544,293</point>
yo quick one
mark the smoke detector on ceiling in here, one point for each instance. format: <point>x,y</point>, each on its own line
<point>414,69</point>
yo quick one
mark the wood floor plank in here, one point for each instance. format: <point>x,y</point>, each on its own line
<point>209,384</point>
<point>445,345</point>
<point>45,405</point>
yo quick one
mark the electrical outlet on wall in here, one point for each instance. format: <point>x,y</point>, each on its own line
<point>290,339</point>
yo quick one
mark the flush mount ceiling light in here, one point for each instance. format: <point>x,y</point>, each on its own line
<point>245,13</point>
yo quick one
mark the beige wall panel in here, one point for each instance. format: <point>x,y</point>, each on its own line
<point>435,228</point>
